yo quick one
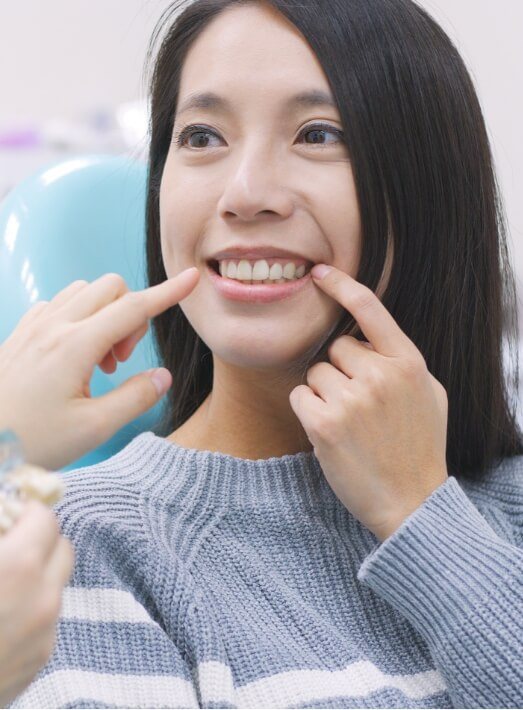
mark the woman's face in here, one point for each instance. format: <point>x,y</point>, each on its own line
<point>258,176</point>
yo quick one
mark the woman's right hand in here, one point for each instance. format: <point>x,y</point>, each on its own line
<point>36,562</point>
<point>47,362</point>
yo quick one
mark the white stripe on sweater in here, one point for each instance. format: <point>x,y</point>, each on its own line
<point>359,679</point>
<point>126,691</point>
<point>99,604</point>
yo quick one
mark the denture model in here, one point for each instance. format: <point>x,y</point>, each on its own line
<point>21,482</point>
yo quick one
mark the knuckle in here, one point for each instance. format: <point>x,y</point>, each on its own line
<point>346,398</point>
<point>414,366</point>
<point>339,347</point>
<point>333,348</point>
<point>52,339</point>
<point>143,394</point>
<point>313,371</point>
<point>32,317</point>
<point>117,284</point>
<point>375,380</point>
<point>363,299</point>
<point>115,279</point>
<point>136,301</point>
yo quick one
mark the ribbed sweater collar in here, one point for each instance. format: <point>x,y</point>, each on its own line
<point>161,468</point>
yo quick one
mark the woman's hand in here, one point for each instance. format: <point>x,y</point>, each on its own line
<point>376,416</point>
<point>47,362</point>
<point>35,564</point>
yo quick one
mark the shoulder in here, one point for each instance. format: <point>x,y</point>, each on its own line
<point>106,492</point>
<point>502,483</point>
<point>498,494</point>
<point>104,514</point>
<point>122,473</point>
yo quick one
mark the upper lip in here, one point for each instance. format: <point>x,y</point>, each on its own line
<point>262,252</point>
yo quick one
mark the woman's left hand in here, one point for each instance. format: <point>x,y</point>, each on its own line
<point>376,417</point>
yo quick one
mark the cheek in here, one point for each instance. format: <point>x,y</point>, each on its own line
<point>166,205</point>
<point>179,228</point>
<point>345,244</point>
<point>336,211</point>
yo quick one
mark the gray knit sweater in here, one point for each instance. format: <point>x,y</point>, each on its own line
<point>204,580</point>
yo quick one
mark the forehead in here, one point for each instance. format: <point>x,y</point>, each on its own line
<point>214,103</point>
<point>251,51</point>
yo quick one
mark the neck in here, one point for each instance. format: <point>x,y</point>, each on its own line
<point>246,415</point>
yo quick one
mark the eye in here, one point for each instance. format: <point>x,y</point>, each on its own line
<point>195,130</point>
<point>189,132</point>
<point>320,128</point>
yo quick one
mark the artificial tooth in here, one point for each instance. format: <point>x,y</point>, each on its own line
<point>223,268</point>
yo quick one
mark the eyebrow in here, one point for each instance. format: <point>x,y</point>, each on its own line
<point>212,102</point>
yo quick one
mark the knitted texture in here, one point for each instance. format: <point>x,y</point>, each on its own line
<point>205,580</point>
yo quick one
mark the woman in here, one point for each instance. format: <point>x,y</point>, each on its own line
<point>294,534</point>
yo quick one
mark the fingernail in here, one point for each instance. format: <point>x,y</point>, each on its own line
<point>320,270</point>
<point>161,378</point>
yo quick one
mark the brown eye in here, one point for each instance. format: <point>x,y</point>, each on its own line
<point>318,130</point>
<point>190,131</point>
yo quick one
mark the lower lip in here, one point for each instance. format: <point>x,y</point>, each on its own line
<point>263,293</point>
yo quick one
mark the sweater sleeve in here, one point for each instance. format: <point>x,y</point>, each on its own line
<point>460,584</point>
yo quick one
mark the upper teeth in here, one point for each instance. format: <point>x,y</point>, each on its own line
<point>260,270</point>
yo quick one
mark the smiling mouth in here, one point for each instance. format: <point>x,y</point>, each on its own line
<point>256,292</point>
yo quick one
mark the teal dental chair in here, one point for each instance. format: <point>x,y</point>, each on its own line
<point>78,219</point>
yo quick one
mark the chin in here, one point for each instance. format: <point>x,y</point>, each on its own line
<point>257,354</point>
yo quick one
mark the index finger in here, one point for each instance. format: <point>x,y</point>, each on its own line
<point>375,321</point>
<point>122,317</point>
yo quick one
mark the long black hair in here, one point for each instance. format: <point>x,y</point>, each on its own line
<point>424,177</point>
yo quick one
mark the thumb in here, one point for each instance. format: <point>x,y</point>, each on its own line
<point>134,397</point>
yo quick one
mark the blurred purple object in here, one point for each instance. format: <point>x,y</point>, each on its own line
<point>22,138</point>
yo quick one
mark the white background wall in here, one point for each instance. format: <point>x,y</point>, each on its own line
<point>65,57</point>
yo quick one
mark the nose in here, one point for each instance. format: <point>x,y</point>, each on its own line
<point>254,187</point>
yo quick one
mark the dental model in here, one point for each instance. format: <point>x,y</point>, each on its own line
<point>21,482</point>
